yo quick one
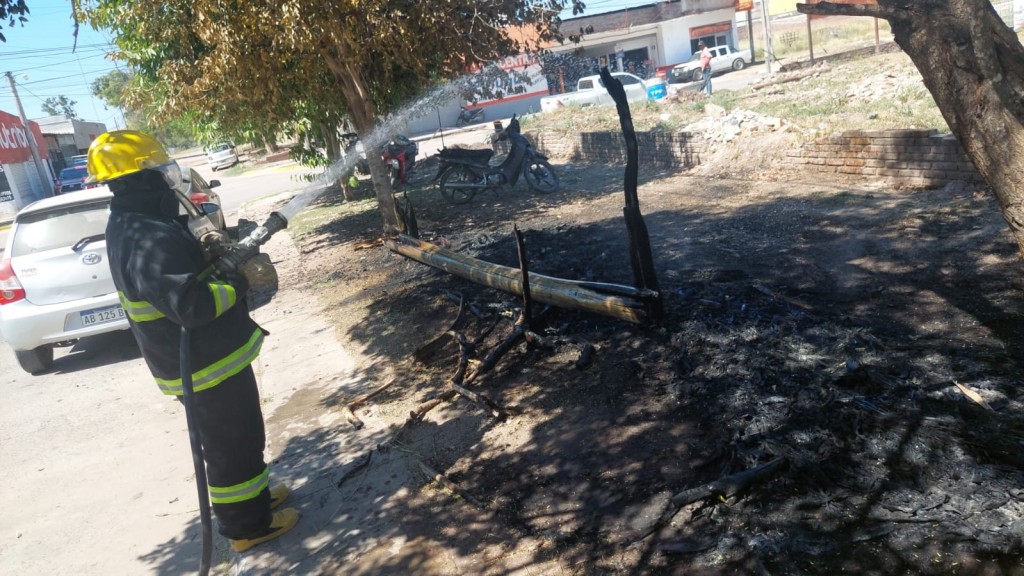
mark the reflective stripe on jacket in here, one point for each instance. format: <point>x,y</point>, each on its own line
<point>155,264</point>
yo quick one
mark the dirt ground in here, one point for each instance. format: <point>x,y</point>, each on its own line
<point>824,327</point>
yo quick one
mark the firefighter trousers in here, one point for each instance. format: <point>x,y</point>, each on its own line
<point>230,424</point>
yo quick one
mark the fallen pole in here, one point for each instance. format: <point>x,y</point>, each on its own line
<point>615,300</point>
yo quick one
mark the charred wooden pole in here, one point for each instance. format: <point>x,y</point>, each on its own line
<point>615,300</point>
<point>640,256</point>
<point>521,248</point>
<point>408,216</point>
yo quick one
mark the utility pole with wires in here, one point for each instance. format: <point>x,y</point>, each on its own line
<point>769,51</point>
<point>44,174</point>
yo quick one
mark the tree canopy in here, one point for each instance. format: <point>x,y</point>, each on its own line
<point>258,64</point>
<point>13,12</point>
<point>60,105</point>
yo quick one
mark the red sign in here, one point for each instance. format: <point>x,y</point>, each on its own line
<point>14,147</point>
<point>710,29</point>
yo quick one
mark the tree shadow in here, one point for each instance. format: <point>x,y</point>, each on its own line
<point>825,328</point>
<point>95,351</point>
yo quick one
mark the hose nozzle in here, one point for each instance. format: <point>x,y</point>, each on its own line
<point>258,237</point>
<point>247,247</point>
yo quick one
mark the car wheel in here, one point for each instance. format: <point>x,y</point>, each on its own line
<point>697,75</point>
<point>738,64</point>
<point>36,360</point>
<point>213,168</point>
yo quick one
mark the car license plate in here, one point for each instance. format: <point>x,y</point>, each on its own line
<point>102,315</point>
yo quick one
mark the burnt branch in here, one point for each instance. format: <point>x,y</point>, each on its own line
<point>452,486</point>
<point>725,487</point>
<point>641,259</point>
<point>523,266</point>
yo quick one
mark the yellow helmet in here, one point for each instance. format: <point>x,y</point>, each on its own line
<point>122,152</point>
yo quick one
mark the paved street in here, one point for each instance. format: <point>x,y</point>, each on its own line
<point>99,475</point>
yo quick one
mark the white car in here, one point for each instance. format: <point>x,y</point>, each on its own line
<point>55,284</point>
<point>590,91</point>
<point>222,155</point>
<point>723,58</point>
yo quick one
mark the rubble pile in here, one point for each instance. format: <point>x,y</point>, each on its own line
<point>883,85</point>
<point>717,126</point>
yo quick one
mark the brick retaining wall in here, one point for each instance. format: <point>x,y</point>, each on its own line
<point>656,149</point>
<point>910,157</point>
<point>900,157</point>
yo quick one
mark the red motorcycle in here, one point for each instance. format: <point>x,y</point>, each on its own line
<point>400,157</point>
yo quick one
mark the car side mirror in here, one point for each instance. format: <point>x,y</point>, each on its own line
<point>214,183</point>
<point>209,208</point>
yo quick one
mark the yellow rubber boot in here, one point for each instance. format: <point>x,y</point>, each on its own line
<point>283,521</point>
<point>278,494</point>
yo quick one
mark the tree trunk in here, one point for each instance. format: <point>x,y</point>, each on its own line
<point>270,143</point>
<point>973,65</point>
<point>330,134</point>
<point>363,116</point>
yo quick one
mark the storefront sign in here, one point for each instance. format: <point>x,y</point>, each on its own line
<point>6,194</point>
<point>14,147</point>
<point>710,29</point>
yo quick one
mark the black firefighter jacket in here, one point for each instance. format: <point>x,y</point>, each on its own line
<point>155,263</point>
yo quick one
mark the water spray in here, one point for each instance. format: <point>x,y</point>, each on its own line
<point>233,255</point>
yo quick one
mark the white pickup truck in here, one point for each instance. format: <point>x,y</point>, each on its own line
<point>590,91</point>
<point>723,58</point>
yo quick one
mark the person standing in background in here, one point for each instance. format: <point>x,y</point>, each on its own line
<point>705,67</point>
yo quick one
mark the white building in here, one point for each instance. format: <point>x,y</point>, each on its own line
<point>67,137</point>
<point>642,39</point>
<point>20,180</point>
<point>646,38</point>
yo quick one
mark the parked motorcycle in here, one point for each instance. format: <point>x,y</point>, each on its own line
<point>400,156</point>
<point>463,173</point>
<point>467,116</point>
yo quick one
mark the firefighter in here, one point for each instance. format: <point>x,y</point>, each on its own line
<point>156,265</point>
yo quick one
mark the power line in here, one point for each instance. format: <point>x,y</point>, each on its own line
<point>30,92</point>
<point>65,54</point>
<point>55,78</point>
<point>20,70</point>
<point>59,49</point>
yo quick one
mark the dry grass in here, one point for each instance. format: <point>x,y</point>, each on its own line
<point>876,92</point>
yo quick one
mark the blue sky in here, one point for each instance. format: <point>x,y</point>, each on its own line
<point>40,57</point>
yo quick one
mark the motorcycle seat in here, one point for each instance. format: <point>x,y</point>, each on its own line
<point>466,155</point>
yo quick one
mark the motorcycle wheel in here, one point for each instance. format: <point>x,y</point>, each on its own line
<point>460,121</point>
<point>451,188</point>
<point>540,176</point>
